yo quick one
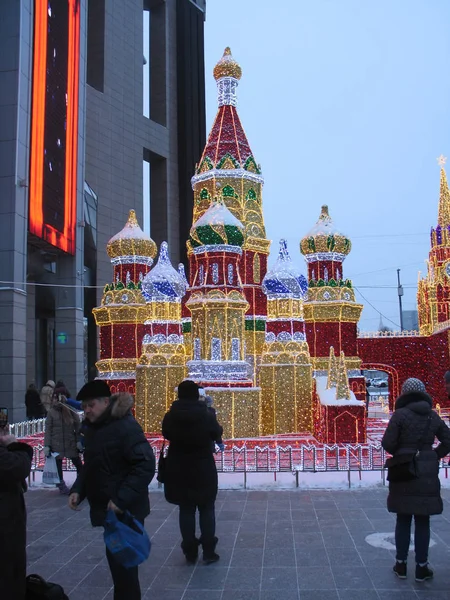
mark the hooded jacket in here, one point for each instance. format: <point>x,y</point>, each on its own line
<point>62,430</point>
<point>47,394</point>
<point>406,427</point>
<point>118,462</point>
<point>190,475</point>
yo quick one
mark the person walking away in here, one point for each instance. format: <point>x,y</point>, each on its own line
<point>33,404</point>
<point>15,467</point>
<point>190,477</point>
<point>414,424</point>
<point>47,394</point>
<point>62,435</point>
<point>119,466</point>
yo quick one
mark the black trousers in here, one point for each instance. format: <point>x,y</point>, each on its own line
<point>77,463</point>
<point>13,561</point>
<point>421,536</point>
<point>207,525</point>
<point>126,581</point>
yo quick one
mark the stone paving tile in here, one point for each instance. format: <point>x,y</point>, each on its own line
<point>298,545</point>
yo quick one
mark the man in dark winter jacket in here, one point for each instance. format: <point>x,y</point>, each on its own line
<point>412,428</point>
<point>119,466</point>
<point>15,466</point>
<point>190,477</point>
<point>35,409</point>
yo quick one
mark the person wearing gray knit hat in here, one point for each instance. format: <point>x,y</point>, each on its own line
<point>411,432</point>
<point>413,385</point>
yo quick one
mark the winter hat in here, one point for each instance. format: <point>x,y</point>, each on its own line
<point>188,390</point>
<point>94,389</point>
<point>447,377</point>
<point>412,385</point>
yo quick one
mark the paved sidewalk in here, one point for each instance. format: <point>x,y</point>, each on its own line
<point>288,545</point>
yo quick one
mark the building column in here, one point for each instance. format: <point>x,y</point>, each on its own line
<point>69,323</point>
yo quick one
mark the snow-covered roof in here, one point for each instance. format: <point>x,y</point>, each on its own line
<point>327,397</point>
<point>218,214</point>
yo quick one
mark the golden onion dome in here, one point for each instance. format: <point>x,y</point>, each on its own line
<point>131,241</point>
<point>324,237</point>
<point>227,67</point>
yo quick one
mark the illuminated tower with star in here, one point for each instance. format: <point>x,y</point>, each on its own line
<point>227,169</point>
<point>433,296</point>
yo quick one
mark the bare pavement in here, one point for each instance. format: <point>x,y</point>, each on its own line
<point>289,545</point>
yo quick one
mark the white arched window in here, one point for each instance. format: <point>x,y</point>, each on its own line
<point>235,347</point>
<point>230,274</point>
<point>216,349</point>
<point>197,349</point>
<point>215,273</point>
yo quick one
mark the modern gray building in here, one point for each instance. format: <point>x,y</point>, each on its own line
<point>102,109</point>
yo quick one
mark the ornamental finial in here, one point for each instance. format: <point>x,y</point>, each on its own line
<point>441,160</point>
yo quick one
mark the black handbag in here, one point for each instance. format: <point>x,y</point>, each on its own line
<point>39,589</point>
<point>161,463</point>
<point>403,467</point>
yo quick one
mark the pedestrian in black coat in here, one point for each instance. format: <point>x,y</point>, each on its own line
<point>414,421</point>
<point>119,466</point>
<point>190,477</point>
<point>15,466</point>
<point>35,408</point>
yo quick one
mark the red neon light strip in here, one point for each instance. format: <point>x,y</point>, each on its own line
<point>65,240</point>
<point>38,117</point>
<point>70,189</point>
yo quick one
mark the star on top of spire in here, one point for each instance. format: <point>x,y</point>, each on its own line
<point>441,160</point>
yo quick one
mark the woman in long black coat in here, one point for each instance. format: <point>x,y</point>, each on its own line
<point>415,422</point>
<point>190,476</point>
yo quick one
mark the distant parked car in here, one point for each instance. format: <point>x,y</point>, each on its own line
<point>379,382</point>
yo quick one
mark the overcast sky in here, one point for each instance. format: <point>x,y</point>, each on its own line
<point>345,103</point>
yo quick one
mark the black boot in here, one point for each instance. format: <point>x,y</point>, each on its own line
<point>423,573</point>
<point>190,551</point>
<point>209,554</point>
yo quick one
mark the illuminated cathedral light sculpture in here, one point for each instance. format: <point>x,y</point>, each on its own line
<point>227,168</point>
<point>122,313</point>
<point>434,290</point>
<point>162,364</point>
<point>285,370</point>
<point>218,306</point>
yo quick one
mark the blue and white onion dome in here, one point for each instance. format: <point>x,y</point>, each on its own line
<point>284,279</point>
<point>164,283</point>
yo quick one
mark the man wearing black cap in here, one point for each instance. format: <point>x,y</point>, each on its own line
<point>119,466</point>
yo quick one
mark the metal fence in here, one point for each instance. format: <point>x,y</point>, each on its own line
<point>255,455</point>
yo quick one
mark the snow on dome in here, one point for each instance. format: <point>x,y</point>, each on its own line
<point>284,278</point>
<point>218,214</point>
<point>131,241</point>
<point>163,282</point>
<point>324,237</point>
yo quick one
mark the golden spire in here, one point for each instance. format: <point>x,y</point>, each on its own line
<point>132,220</point>
<point>444,196</point>
<point>227,67</point>
<point>332,370</point>
<point>342,388</point>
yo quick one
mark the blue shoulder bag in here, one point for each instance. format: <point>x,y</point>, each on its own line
<point>126,539</point>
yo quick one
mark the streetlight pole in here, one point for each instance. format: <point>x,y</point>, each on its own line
<point>400,294</point>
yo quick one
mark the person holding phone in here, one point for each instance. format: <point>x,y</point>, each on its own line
<point>15,467</point>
